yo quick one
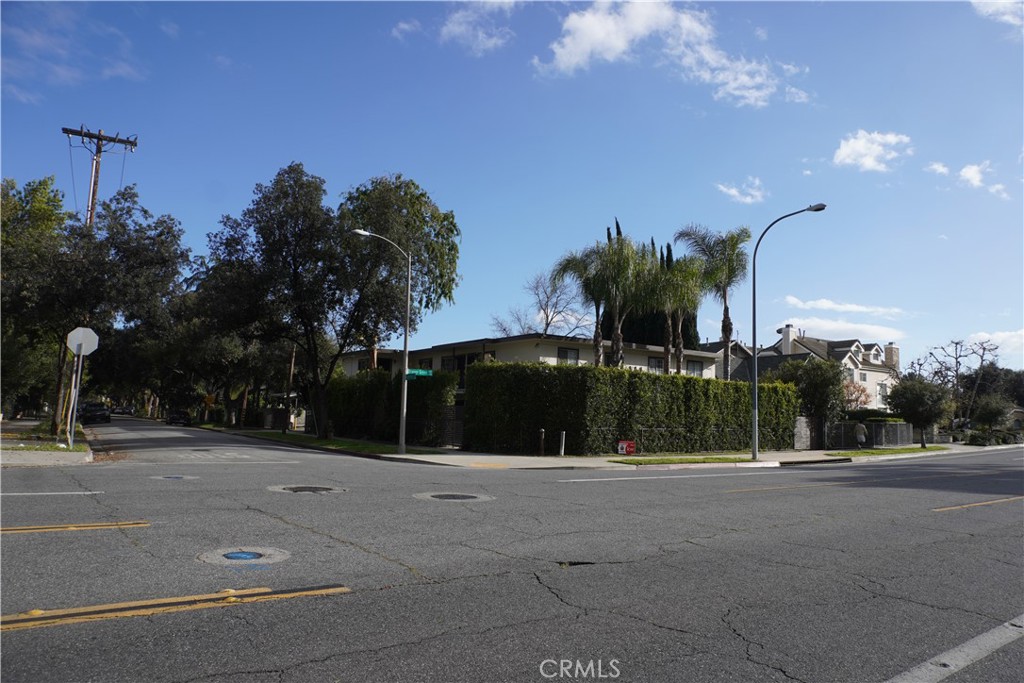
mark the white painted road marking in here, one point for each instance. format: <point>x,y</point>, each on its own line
<point>56,493</point>
<point>674,476</point>
<point>948,663</point>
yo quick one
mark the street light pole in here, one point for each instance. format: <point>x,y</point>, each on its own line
<point>405,352</point>
<point>753,324</point>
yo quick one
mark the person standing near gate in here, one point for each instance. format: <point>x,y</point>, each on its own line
<point>861,433</point>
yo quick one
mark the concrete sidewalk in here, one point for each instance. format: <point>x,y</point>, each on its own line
<point>512,462</point>
<point>523,462</point>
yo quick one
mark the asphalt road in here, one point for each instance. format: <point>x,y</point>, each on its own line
<point>838,573</point>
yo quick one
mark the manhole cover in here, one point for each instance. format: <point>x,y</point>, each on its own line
<point>244,557</point>
<point>456,497</point>
<point>304,488</point>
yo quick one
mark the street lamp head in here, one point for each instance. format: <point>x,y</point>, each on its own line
<point>816,207</point>
<point>360,231</point>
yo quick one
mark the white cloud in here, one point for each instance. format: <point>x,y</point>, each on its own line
<point>871,151</point>
<point>761,33</point>
<point>999,190</point>
<point>974,174</point>
<point>55,44</point>
<point>611,32</point>
<point>826,328</point>
<point>889,312</point>
<point>1011,346</point>
<point>23,96</point>
<point>122,69</point>
<point>404,28</point>
<point>938,168</point>
<point>751,193</point>
<point>796,95</point>
<point>169,28</point>
<point>1007,12</point>
<point>473,26</point>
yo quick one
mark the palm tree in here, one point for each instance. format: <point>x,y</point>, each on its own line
<point>583,267</point>
<point>610,277</point>
<point>688,287</point>
<point>623,270</point>
<point>725,266</point>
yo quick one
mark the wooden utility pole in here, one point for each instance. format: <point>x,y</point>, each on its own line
<point>98,139</point>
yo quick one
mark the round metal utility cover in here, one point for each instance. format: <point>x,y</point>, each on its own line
<point>451,496</point>
<point>246,556</point>
<point>304,488</point>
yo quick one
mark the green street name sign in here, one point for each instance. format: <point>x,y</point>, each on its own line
<point>417,372</point>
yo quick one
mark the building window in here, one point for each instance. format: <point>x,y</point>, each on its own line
<point>568,356</point>
<point>883,393</point>
<point>848,373</point>
<point>863,377</point>
<point>426,363</point>
<point>695,368</point>
<point>448,364</point>
<point>655,364</point>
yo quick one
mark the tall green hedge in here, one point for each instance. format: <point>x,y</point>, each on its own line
<point>507,404</point>
<point>366,406</point>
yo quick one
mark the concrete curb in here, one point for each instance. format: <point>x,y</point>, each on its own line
<point>45,458</point>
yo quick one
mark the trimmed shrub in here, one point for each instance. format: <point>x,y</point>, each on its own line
<point>368,405</point>
<point>507,404</point>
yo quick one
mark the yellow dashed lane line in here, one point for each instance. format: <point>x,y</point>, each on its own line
<point>71,527</point>
<point>974,505</point>
<point>140,608</point>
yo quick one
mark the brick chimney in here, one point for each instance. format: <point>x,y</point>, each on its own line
<point>788,335</point>
<point>892,356</point>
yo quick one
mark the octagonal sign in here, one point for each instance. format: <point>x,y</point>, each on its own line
<point>82,340</point>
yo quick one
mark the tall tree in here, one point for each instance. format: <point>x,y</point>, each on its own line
<point>554,309</point>
<point>920,402</point>
<point>688,286</point>
<point>118,271</point>
<point>624,269</point>
<point>725,265</point>
<point>299,272</point>
<point>583,267</point>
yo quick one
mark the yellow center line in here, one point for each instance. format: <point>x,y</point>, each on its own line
<point>855,482</point>
<point>42,618</point>
<point>71,527</point>
<point>974,505</point>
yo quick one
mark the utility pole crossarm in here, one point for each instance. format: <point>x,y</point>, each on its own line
<point>99,137</point>
<point>94,182</point>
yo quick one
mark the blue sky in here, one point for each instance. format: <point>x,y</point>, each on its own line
<point>539,123</point>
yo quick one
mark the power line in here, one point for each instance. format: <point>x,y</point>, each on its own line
<point>98,139</point>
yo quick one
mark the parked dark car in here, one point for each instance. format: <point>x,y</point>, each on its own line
<point>123,410</point>
<point>93,412</point>
<point>179,417</point>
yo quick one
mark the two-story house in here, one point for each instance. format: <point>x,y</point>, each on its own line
<point>869,365</point>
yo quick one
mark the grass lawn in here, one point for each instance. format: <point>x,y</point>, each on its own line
<point>680,460</point>
<point>888,451</point>
<point>352,445</point>
<point>38,439</point>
